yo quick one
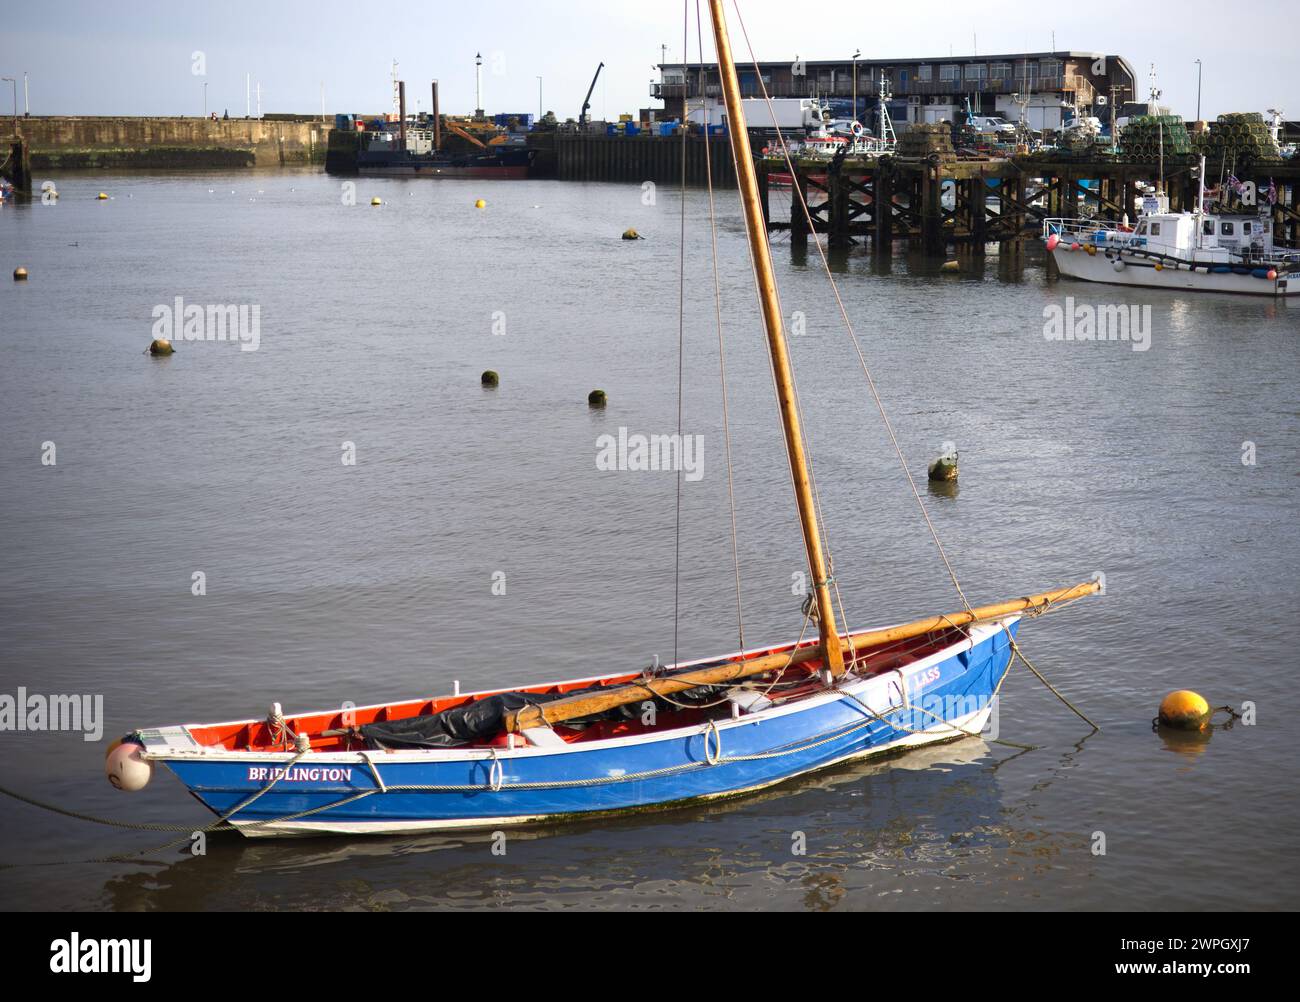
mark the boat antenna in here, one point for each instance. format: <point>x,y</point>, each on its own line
<point>886,125</point>
<point>1155,96</point>
<point>765,276</point>
<point>1200,203</point>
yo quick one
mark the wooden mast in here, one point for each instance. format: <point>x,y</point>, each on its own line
<point>772,321</point>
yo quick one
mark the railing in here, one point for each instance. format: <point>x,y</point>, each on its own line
<point>1097,232</point>
<point>868,87</point>
<point>1080,85</point>
<point>1105,235</point>
<point>659,91</point>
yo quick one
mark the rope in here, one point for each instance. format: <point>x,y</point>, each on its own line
<point>1015,648</point>
<point>93,819</point>
<point>221,824</point>
<point>1233,716</point>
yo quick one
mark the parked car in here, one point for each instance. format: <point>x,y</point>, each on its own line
<point>986,124</point>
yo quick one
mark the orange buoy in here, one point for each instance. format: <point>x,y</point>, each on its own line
<point>1184,710</point>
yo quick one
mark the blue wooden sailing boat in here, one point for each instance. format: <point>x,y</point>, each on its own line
<point>628,740</point>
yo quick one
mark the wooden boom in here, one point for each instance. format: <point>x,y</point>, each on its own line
<point>590,704</point>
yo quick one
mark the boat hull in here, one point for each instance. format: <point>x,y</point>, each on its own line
<point>1141,272</point>
<point>942,697</point>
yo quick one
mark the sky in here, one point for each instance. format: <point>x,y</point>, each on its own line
<point>139,57</point>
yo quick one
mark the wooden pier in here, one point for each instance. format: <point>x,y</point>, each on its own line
<point>995,200</point>
<point>16,163</point>
<point>576,157</point>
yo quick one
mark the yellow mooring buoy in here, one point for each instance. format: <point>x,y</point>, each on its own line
<point>1184,710</point>
<point>161,347</point>
<point>480,204</point>
<point>20,274</point>
<point>376,201</point>
<point>632,235</point>
<point>101,197</point>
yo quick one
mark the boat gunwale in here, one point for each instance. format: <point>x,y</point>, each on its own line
<point>977,634</point>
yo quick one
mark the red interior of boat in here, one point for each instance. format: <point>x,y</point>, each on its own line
<point>798,681</point>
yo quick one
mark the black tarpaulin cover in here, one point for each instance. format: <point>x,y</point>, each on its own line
<point>462,725</point>
<point>481,720</point>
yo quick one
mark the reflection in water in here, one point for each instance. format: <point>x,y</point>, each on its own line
<point>947,489</point>
<point>838,258</point>
<point>1190,744</point>
<point>1011,265</point>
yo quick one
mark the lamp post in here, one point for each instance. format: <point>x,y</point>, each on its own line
<point>540,113</point>
<point>478,86</point>
<point>205,99</point>
<point>1198,90</point>
<point>856,54</point>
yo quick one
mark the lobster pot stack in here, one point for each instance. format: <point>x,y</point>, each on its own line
<point>927,141</point>
<point>1239,139</point>
<point>1148,136</point>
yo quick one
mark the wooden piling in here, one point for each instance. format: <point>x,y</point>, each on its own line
<point>19,166</point>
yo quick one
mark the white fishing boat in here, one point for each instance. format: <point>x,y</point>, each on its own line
<point>1196,251</point>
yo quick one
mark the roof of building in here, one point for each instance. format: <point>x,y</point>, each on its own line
<point>1060,54</point>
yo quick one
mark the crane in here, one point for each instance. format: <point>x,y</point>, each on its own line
<point>582,117</point>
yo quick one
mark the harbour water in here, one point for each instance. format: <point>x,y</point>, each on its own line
<point>1173,470</point>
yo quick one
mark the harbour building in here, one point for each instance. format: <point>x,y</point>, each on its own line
<point>1050,87</point>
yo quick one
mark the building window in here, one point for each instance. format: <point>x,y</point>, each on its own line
<point>948,72</point>
<point>923,72</point>
<point>976,71</point>
<point>1051,69</point>
<point>1027,74</point>
<point>1000,71</point>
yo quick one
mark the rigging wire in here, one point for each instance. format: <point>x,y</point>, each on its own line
<point>722,351</point>
<point>848,324</point>
<point>681,354</point>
